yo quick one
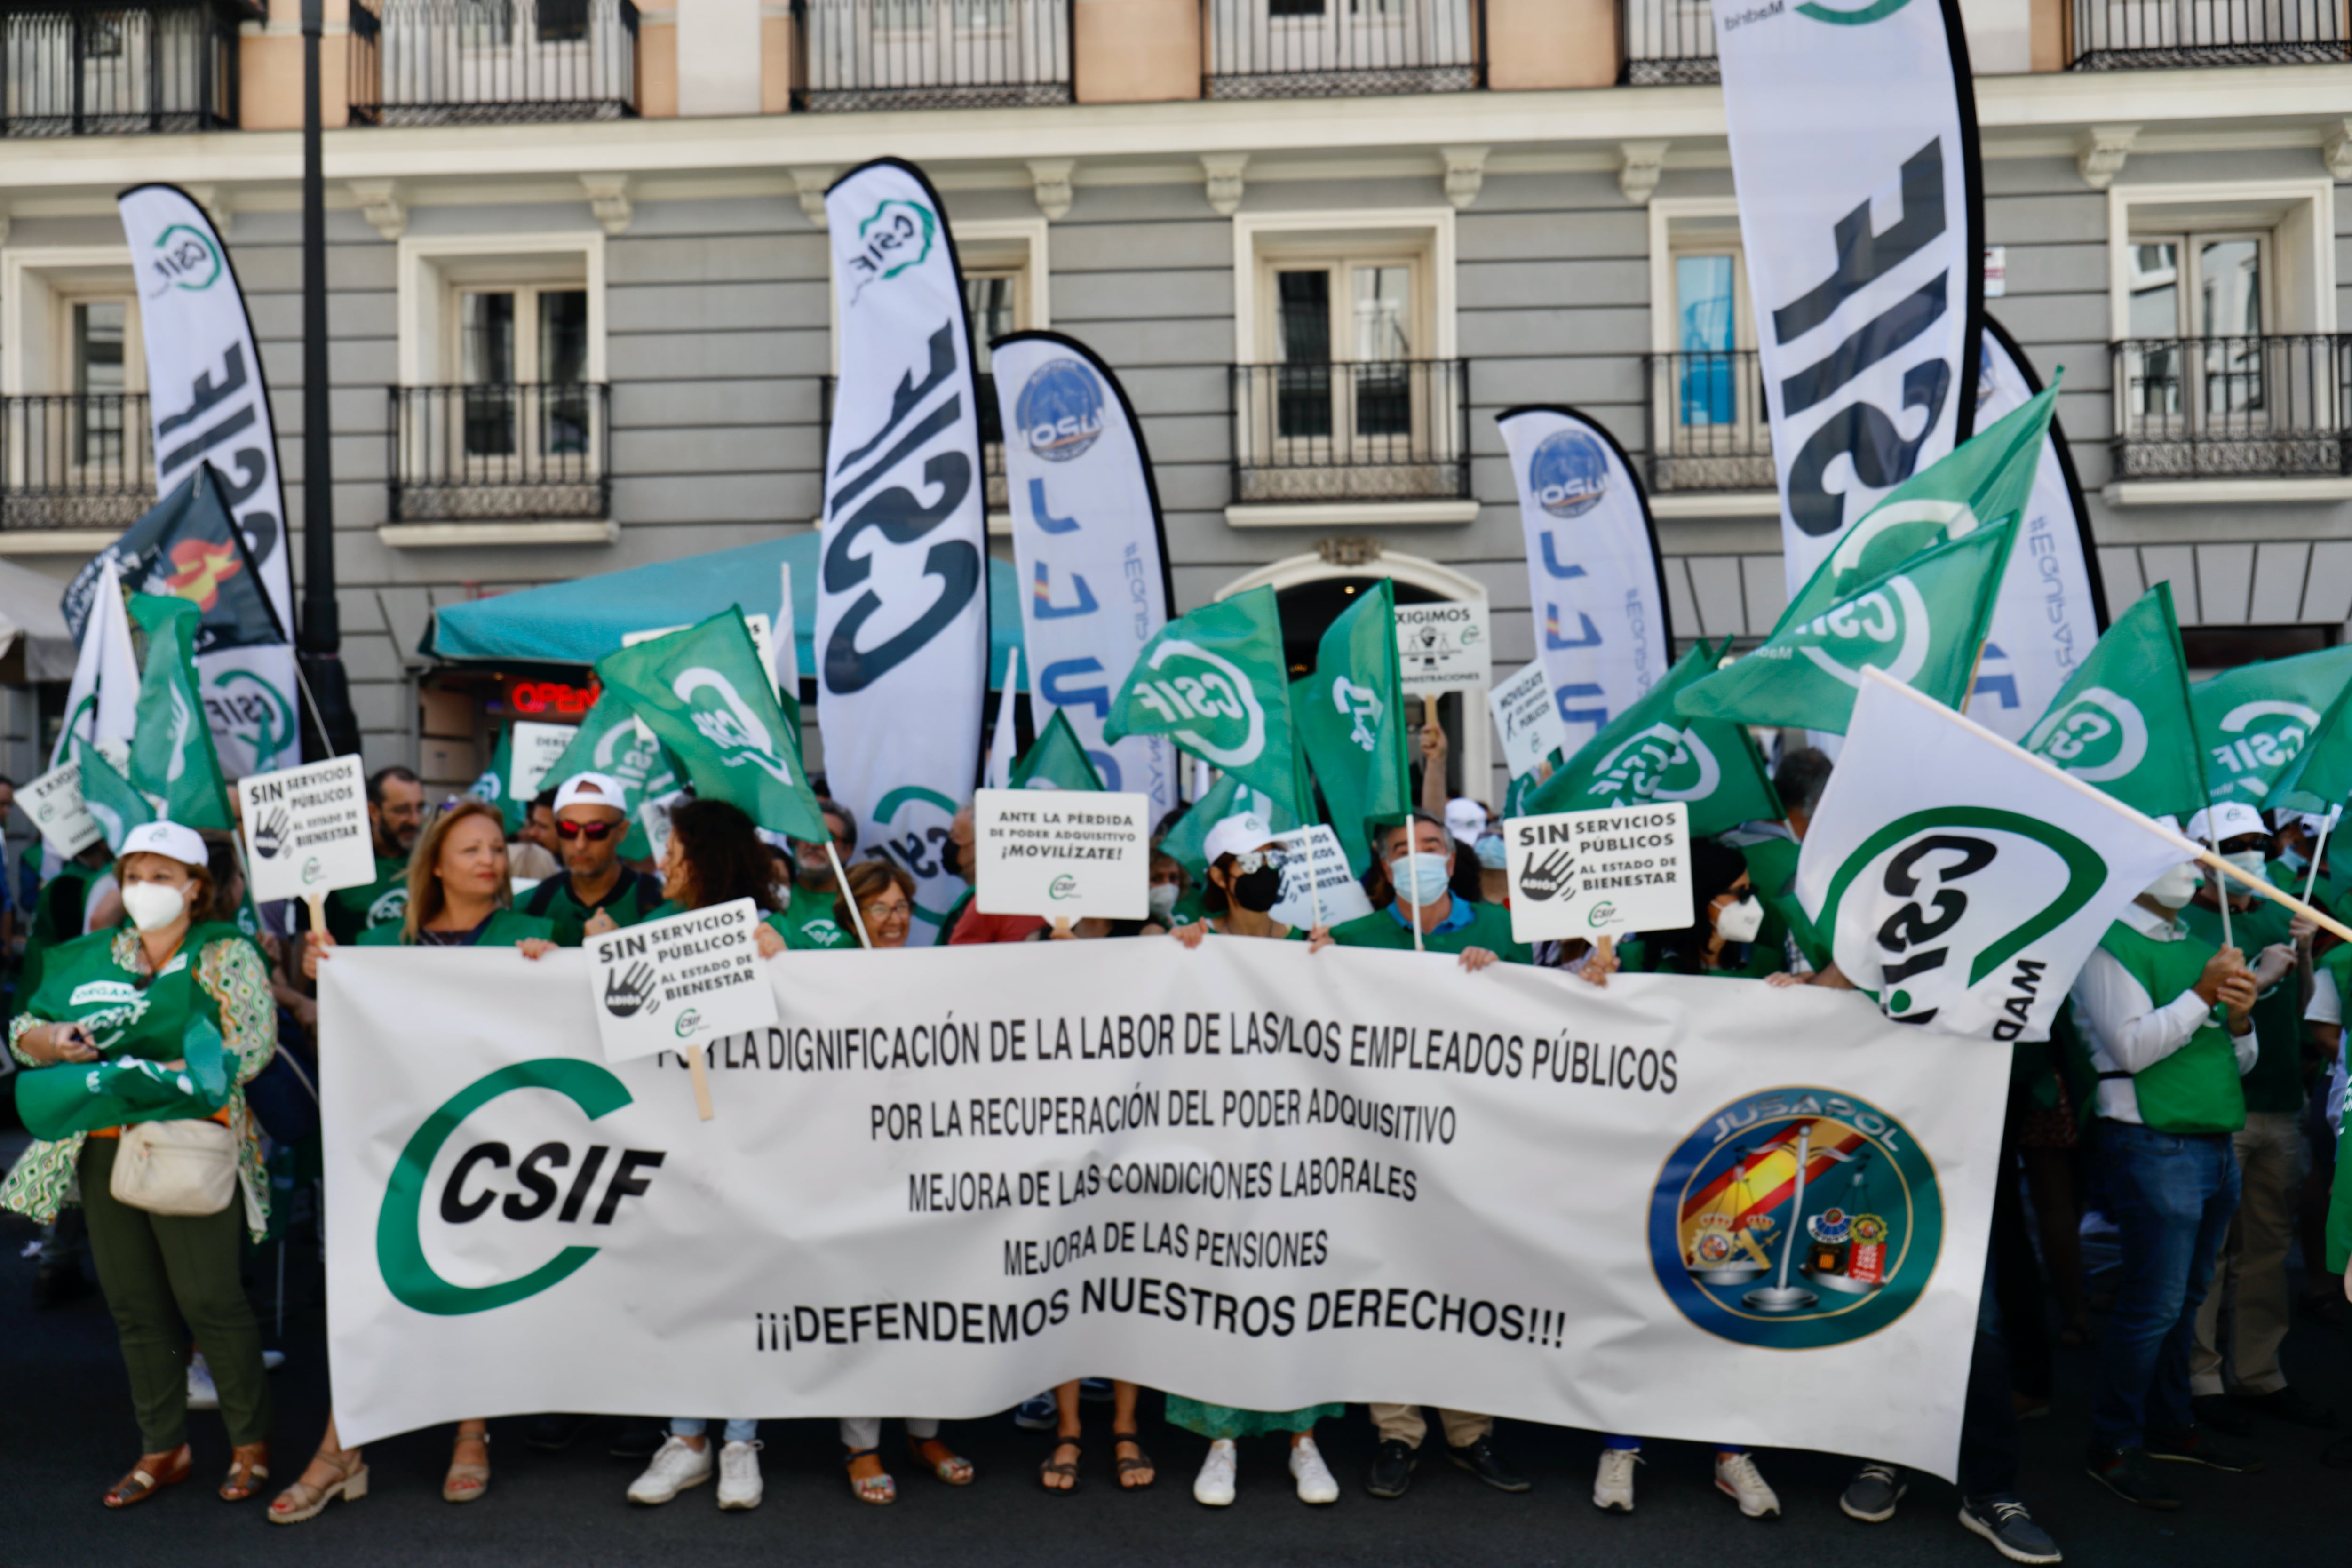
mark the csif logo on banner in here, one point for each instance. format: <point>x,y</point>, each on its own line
<point>184,257</point>
<point>727,721</point>
<point>555,1182</point>
<point>1192,685</point>
<point>1889,627</point>
<point>896,236</point>
<point>1662,762</point>
<point>2098,737</point>
<point>2259,738</point>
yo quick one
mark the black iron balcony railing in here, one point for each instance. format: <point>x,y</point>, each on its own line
<point>1370,431</point>
<point>1341,49</point>
<point>475,62</point>
<point>1707,425</point>
<point>502,453</point>
<point>2145,35</point>
<point>930,54</point>
<point>992,434</point>
<point>1665,42</point>
<point>2233,407</point>
<point>75,460</point>
<point>80,69</point>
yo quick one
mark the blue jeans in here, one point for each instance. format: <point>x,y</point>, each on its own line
<point>2172,1197</point>
<point>694,1427</point>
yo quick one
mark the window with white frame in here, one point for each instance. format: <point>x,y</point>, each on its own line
<point>1709,426</point>
<point>75,448</point>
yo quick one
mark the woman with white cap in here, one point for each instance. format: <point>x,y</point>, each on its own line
<point>175,1011</point>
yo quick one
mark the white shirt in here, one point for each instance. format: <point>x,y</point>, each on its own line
<point>2325,1006</point>
<point>2125,1028</point>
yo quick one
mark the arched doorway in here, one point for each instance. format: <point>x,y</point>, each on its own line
<point>1313,589</point>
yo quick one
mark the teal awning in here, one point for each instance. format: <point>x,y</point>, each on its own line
<point>581,621</point>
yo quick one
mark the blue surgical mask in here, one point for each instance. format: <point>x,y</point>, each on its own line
<point>1419,878</point>
<point>2297,860</point>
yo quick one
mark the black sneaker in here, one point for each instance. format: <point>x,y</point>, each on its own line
<point>551,1434</point>
<point>2199,1446</point>
<point>1873,1493</point>
<point>2286,1404</point>
<point>2129,1476</point>
<point>2223,1414</point>
<point>2005,1522</point>
<point>1481,1460</point>
<point>1392,1469</point>
<point>638,1442</point>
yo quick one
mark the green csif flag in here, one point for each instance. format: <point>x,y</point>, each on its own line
<point>496,786</point>
<point>611,741</point>
<point>1647,754</point>
<point>172,755</point>
<point>2320,778</point>
<point>2122,720</point>
<point>1056,760</point>
<point>2253,721</point>
<point>1352,717</point>
<point>1189,834</point>
<point>117,807</point>
<point>1923,623</point>
<point>1216,682</point>
<point>706,698</point>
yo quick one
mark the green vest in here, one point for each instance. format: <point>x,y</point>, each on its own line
<point>506,929</point>
<point>383,902</point>
<point>2277,1081</point>
<point>169,1018</point>
<point>1489,927</point>
<point>2196,1088</point>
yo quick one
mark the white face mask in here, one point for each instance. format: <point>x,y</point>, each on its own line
<point>1740,921</point>
<point>1419,878</point>
<point>151,905</point>
<point>2176,887</point>
<point>2250,862</point>
<point>1164,900</point>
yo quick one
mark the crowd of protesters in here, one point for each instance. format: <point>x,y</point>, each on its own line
<point>2183,1113</point>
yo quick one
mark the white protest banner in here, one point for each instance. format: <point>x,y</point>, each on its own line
<point>678,982</point>
<point>536,748</point>
<point>1596,587</point>
<point>1317,887</point>
<point>1443,647</point>
<point>1600,873</point>
<point>1247,1173</point>
<point>306,831</point>
<point>1527,720</point>
<point>901,642</point>
<point>1064,855</point>
<point>54,803</point>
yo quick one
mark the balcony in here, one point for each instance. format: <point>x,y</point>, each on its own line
<point>75,461</point>
<point>991,437</point>
<point>1666,42</point>
<point>1707,425</point>
<point>930,54</point>
<point>500,452</point>
<point>1343,49</point>
<point>80,71</point>
<point>479,62</point>
<point>2267,407</point>
<point>1395,430</point>
<point>2150,35</point>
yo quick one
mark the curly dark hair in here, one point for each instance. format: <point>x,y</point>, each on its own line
<point>726,859</point>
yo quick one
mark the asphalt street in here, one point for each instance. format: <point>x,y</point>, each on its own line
<point>66,1433</point>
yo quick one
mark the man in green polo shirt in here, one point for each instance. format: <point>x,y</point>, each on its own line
<point>590,823</point>
<point>395,817</point>
<point>1481,933</point>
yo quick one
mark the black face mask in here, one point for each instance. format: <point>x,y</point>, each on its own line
<point>1259,890</point>
<point>951,859</point>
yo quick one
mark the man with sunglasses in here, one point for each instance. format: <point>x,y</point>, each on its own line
<point>589,827</point>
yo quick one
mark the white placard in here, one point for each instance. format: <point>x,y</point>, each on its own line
<point>1315,851</point>
<point>1062,855</point>
<point>1443,647</point>
<point>672,984</point>
<point>536,748</point>
<point>1600,873</point>
<point>1527,720</point>
<point>306,829</point>
<point>54,803</point>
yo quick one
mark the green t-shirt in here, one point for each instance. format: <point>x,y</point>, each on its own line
<point>2277,1081</point>
<point>383,902</point>
<point>1489,927</point>
<point>632,899</point>
<point>808,924</point>
<point>504,929</point>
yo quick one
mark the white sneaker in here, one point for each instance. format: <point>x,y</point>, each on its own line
<point>739,1475</point>
<point>202,1394</point>
<point>1737,1478</point>
<point>1313,1476</point>
<point>1613,1489</point>
<point>677,1465</point>
<point>1214,1487</point>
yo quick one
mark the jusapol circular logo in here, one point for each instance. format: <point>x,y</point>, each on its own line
<point>1796,1218</point>
<point>1060,410</point>
<point>1569,474</point>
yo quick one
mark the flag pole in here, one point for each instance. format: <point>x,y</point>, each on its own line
<point>1411,828</point>
<point>2318,853</point>
<point>856,915</point>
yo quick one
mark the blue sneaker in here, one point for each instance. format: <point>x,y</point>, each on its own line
<point>1095,1390</point>
<point>1037,1414</point>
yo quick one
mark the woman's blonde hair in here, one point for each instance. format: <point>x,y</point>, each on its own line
<point>426,898</point>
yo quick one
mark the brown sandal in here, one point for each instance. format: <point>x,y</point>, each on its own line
<point>1126,1466</point>
<point>941,1460</point>
<point>302,1501</point>
<point>144,1482</point>
<point>1069,1469</point>
<point>248,1467</point>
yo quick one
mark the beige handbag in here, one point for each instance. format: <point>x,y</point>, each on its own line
<point>185,1167</point>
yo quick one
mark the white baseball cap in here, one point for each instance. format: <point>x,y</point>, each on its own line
<point>1237,834</point>
<point>592,789</point>
<point>2310,821</point>
<point>2229,819</point>
<point>1465,819</point>
<point>168,839</point>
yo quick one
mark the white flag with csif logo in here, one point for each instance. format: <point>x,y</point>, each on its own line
<point>902,603</point>
<point>1961,879</point>
<point>1853,148</point>
<point>1088,539</point>
<point>210,403</point>
<point>1595,586</point>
